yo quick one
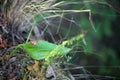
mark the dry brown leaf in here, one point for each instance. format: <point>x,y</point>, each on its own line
<point>0,38</point>
<point>34,67</point>
<point>3,43</point>
<point>1,58</point>
<point>6,57</point>
<point>29,68</point>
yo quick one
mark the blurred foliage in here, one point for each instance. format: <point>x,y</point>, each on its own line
<point>103,14</point>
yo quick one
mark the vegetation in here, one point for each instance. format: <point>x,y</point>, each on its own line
<point>56,40</point>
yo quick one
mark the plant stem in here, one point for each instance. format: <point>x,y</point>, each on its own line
<point>30,32</point>
<point>11,54</point>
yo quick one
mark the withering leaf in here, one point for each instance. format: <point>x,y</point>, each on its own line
<point>34,67</point>
<point>3,43</point>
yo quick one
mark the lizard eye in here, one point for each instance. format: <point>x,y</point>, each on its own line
<point>33,43</point>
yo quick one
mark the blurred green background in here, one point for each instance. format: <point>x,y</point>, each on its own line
<point>104,42</point>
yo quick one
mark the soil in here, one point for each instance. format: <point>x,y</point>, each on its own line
<point>9,38</point>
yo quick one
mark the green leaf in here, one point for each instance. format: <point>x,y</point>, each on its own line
<point>43,49</point>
